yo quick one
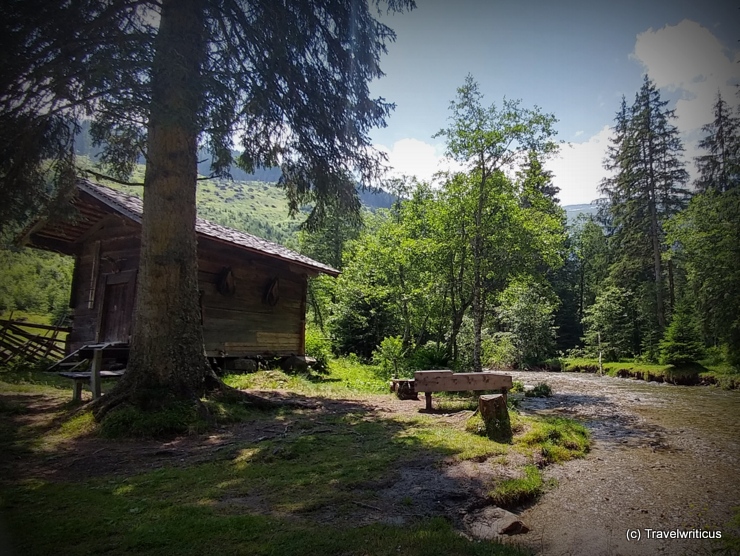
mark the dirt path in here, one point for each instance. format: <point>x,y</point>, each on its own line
<point>664,459</point>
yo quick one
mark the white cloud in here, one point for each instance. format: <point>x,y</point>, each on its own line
<point>688,58</point>
<point>412,157</point>
<point>578,168</point>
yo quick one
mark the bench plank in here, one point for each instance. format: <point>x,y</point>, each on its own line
<point>82,377</point>
<point>447,381</point>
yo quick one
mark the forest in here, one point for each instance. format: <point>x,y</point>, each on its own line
<point>480,268</point>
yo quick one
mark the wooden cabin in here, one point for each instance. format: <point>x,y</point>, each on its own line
<point>252,291</point>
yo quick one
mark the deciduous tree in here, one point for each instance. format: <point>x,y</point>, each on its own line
<point>488,140</point>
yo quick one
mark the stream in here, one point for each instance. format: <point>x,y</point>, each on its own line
<point>664,462</point>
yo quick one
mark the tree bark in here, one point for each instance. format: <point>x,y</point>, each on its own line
<point>167,349</point>
<point>477,271</point>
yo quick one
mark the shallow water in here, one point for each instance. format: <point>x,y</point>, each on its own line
<point>664,462</point>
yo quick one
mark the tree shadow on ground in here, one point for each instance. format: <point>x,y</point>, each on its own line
<point>344,464</point>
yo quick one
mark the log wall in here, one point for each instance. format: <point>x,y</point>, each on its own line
<point>112,249</point>
<point>237,325</point>
<point>245,323</point>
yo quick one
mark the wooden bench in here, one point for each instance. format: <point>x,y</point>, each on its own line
<point>447,381</point>
<point>88,377</point>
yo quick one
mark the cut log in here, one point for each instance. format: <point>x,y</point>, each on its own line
<point>404,389</point>
<point>495,415</point>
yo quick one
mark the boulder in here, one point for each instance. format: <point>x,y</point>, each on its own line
<point>491,523</point>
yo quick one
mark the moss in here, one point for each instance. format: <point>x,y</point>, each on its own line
<point>555,438</point>
<point>513,492</point>
<point>131,422</point>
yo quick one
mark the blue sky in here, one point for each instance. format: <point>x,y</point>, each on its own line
<point>574,59</point>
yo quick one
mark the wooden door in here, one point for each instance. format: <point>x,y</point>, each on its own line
<point>118,307</point>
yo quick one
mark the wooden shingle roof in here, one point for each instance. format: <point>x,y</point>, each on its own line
<point>132,208</point>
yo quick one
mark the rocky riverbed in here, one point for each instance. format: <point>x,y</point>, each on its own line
<point>664,463</point>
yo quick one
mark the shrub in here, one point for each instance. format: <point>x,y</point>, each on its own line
<point>318,347</point>
<point>499,350</point>
<point>389,356</point>
<point>429,356</point>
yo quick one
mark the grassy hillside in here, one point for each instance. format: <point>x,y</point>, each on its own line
<point>255,207</point>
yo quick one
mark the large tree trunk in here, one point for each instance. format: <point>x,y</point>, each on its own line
<point>167,361</point>
<point>167,350</point>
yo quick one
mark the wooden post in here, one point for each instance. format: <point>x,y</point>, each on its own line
<point>428,397</point>
<point>495,415</point>
<point>97,362</point>
<point>77,392</point>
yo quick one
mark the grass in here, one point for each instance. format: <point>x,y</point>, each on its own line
<point>555,439</point>
<point>705,373</point>
<point>513,492</point>
<point>293,486</point>
<point>344,378</point>
<point>254,207</point>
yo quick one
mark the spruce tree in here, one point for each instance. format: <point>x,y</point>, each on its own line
<point>646,187</point>
<point>163,78</point>
<point>682,344</point>
<point>719,168</point>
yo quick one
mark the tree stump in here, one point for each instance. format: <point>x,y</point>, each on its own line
<point>495,415</point>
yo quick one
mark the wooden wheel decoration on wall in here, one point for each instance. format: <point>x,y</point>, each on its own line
<point>272,295</point>
<point>225,282</point>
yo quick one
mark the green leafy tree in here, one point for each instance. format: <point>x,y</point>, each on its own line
<point>163,78</point>
<point>389,356</point>
<point>527,310</point>
<point>326,242</point>
<point>488,140</point>
<point>590,258</point>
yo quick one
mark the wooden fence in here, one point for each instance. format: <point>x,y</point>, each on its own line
<point>31,342</point>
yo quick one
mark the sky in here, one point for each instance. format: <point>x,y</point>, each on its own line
<point>574,59</point>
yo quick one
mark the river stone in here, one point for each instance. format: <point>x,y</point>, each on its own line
<point>492,522</point>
